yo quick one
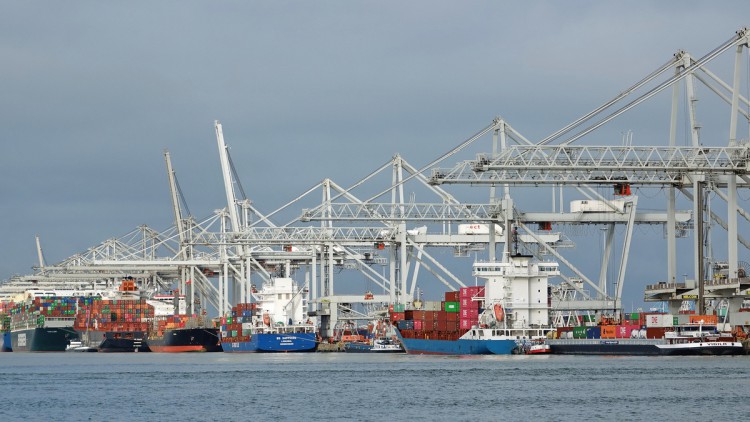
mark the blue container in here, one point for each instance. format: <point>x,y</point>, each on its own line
<point>594,332</point>
<point>405,324</point>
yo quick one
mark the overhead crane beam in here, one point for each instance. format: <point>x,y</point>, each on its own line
<point>580,165</point>
<point>403,212</point>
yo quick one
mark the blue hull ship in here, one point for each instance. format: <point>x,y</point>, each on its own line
<point>273,343</point>
<point>462,346</point>
<point>6,347</point>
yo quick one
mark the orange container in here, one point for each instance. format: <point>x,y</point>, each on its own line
<point>609,331</point>
<point>707,319</point>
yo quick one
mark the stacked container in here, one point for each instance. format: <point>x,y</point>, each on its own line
<point>35,312</point>
<point>470,307</point>
<point>443,322</point>
<point>238,326</point>
<point>99,314</point>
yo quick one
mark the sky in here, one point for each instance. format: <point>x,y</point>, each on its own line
<point>94,92</point>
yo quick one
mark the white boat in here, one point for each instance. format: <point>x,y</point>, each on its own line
<point>77,346</point>
<point>380,345</point>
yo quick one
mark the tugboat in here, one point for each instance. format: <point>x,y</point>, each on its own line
<point>379,345</point>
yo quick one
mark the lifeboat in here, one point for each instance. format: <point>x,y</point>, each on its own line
<point>499,312</point>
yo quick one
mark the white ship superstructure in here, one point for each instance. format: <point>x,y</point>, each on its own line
<point>516,290</point>
<point>283,301</point>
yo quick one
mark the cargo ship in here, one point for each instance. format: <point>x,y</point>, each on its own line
<point>183,333</point>
<point>42,324</point>
<point>272,324</point>
<point>114,321</point>
<point>508,313</point>
<point>174,331</point>
<point>662,335</point>
<point>6,346</point>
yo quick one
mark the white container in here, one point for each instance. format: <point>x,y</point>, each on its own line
<point>589,205</point>
<point>660,321</point>
<point>478,229</point>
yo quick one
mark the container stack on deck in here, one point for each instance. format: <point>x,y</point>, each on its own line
<point>651,325</point>
<point>34,312</point>
<point>445,320</point>
<point>113,315</point>
<point>232,326</point>
<point>470,306</point>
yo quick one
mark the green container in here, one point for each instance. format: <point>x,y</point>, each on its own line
<point>399,307</point>
<point>451,306</point>
<point>589,318</point>
<point>234,333</point>
<point>635,316</point>
<point>579,332</point>
<point>722,312</point>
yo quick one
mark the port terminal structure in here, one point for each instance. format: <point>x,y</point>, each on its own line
<point>389,239</point>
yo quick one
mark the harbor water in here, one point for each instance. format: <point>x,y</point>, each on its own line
<point>340,386</point>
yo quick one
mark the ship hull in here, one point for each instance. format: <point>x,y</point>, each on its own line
<point>719,348</point>
<point>458,347</point>
<point>274,343</point>
<point>186,340</point>
<point>42,339</point>
<point>640,347</point>
<point>120,341</point>
<point>6,346</point>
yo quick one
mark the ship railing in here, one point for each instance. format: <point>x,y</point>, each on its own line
<point>564,341</point>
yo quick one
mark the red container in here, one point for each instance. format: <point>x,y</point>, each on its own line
<point>624,331</point>
<point>469,303</point>
<point>418,324</point>
<point>466,324</point>
<point>428,325</point>
<point>441,325</point>
<point>397,316</point>
<point>470,314</point>
<point>452,296</point>
<point>451,316</point>
<point>442,316</point>
<point>655,332</point>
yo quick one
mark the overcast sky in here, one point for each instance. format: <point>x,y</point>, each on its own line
<point>93,92</point>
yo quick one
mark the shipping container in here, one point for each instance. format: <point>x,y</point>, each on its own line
<point>451,307</point>
<point>431,306</point>
<point>659,320</point>
<point>452,296</point>
<point>707,319</point>
<point>592,332</point>
<point>655,332</point>
<point>608,331</point>
<point>579,332</point>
